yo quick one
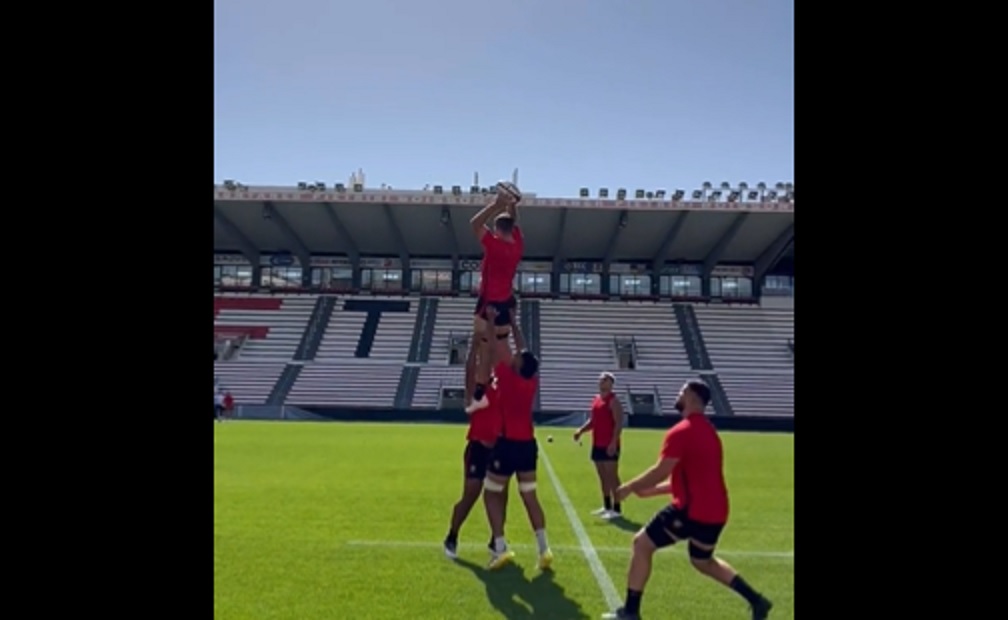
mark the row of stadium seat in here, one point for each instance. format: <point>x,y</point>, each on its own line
<point>749,347</point>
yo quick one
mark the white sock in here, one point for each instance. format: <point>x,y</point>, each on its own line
<point>541,540</point>
<point>500,545</point>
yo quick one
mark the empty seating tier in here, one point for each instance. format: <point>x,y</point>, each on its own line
<point>759,394</point>
<point>432,378</point>
<point>395,332</point>
<point>747,338</point>
<point>580,333</point>
<point>454,317</point>
<point>341,336</point>
<point>359,383</point>
<point>250,383</point>
<point>246,303</point>
<point>749,348</point>
<point>275,324</point>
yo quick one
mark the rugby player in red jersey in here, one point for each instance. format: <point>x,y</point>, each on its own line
<point>503,247</point>
<point>606,426</point>
<point>690,467</point>
<point>516,453</point>
<point>484,429</point>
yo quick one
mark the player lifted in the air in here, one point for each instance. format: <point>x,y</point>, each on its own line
<point>503,246</point>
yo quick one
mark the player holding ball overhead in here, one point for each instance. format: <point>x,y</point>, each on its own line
<point>503,247</point>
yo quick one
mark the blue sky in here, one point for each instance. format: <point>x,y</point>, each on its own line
<point>601,93</point>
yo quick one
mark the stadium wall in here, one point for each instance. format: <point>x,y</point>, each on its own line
<point>784,424</point>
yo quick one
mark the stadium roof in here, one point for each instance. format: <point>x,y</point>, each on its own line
<point>426,224</point>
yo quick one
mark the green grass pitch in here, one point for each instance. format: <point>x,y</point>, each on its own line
<point>332,520</point>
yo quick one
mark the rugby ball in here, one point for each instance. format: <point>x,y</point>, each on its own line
<point>511,189</point>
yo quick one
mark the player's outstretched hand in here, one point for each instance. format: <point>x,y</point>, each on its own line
<point>621,493</point>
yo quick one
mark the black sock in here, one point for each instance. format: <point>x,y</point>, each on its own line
<point>745,590</point>
<point>607,502</point>
<point>479,391</point>
<point>616,507</point>
<point>452,536</point>
<point>633,598</point>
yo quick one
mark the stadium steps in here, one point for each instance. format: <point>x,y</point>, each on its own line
<point>529,318</point>
<point>692,337</point>
<point>407,387</point>
<point>719,398</point>
<point>283,384</point>
<point>367,335</point>
<point>317,323</point>
<point>423,331</point>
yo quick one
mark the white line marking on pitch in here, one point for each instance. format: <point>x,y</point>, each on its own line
<point>785,555</point>
<point>605,582</point>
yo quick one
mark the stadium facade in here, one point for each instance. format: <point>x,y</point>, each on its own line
<point>319,289</point>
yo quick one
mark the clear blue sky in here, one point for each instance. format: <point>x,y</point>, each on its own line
<point>598,93</point>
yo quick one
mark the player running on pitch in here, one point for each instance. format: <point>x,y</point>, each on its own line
<point>503,247</point>
<point>516,452</point>
<point>690,467</point>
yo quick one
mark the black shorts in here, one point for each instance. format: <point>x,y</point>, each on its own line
<point>511,457</point>
<point>670,525</point>
<point>476,458</point>
<point>504,309</point>
<point>600,454</point>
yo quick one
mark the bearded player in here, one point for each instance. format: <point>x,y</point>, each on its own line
<point>515,453</point>
<point>503,246</point>
<point>484,429</point>
<point>690,468</point>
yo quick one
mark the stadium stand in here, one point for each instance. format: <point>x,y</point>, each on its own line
<point>274,324</point>
<point>355,383</point>
<point>359,361</point>
<point>750,348</point>
<point>454,319</point>
<point>271,329</point>
<point>575,333</point>
<point>341,335</point>
<point>250,383</point>
<point>667,290</point>
<point>580,340</point>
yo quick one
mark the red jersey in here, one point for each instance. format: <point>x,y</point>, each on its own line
<point>517,398</point>
<point>500,262</point>
<point>485,424</point>
<point>698,484</point>
<point>603,425</point>
<point>228,401</point>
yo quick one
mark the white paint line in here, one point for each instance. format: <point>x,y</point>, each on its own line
<point>605,582</point>
<point>417,544</point>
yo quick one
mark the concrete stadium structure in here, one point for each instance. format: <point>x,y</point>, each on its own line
<point>349,298</point>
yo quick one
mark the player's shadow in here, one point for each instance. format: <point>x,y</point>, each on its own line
<point>627,525</point>
<point>515,596</point>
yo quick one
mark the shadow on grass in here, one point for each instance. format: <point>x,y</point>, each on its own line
<point>515,596</point>
<point>627,525</point>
